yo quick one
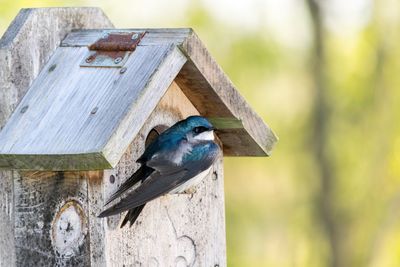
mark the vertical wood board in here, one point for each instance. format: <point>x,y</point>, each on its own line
<point>51,222</point>
<point>24,49</point>
<point>96,225</point>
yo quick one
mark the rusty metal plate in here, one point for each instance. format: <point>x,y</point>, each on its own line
<point>105,59</point>
<point>117,41</point>
<point>112,49</point>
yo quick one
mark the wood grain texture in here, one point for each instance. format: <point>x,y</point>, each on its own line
<point>7,249</point>
<point>75,118</point>
<point>46,234</point>
<point>174,230</point>
<point>24,49</point>
<point>96,226</point>
<point>29,42</point>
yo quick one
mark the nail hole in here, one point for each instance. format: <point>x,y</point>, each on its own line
<point>52,67</point>
<point>24,109</point>
<point>94,110</point>
<point>112,179</point>
<point>117,60</point>
<point>214,176</point>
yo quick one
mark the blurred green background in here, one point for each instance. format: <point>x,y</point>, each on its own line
<point>325,75</point>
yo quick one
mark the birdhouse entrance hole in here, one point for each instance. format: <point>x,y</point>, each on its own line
<point>152,135</point>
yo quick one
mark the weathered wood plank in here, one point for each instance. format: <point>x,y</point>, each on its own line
<point>96,226</point>
<point>24,49</point>
<point>52,162</point>
<point>51,225</point>
<point>214,95</point>
<point>173,230</point>
<point>77,118</point>
<point>7,249</point>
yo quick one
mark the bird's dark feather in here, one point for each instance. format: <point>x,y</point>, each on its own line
<point>159,183</point>
<point>160,169</point>
<point>153,187</point>
<point>140,175</point>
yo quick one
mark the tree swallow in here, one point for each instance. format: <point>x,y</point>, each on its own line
<point>177,159</point>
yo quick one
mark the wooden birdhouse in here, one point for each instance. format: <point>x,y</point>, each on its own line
<point>79,100</point>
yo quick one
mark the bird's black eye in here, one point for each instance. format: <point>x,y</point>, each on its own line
<point>199,129</point>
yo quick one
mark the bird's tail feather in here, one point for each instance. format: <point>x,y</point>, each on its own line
<point>141,174</point>
<point>132,215</point>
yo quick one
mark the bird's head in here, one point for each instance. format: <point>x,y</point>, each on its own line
<point>197,129</point>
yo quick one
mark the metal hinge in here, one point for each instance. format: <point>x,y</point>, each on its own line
<point>112,49</point>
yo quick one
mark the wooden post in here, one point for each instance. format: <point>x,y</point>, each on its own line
<point>24,49</point>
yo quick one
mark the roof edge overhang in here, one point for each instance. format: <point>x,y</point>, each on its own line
<point>55,162</point>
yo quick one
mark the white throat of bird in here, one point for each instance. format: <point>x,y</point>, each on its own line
<point>205,136</point>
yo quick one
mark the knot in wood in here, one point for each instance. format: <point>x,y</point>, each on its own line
<point>68,229</point>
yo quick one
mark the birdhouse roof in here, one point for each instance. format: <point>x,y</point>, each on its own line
<point>95,93</point>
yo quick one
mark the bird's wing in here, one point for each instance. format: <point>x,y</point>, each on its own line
<point>142,173</point>
<point>153,187</point>
<point>160,183</point>
<point>167,160</point>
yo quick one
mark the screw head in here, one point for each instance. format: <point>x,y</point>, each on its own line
<point>118,60</point>
<point>52,67</point>
<point>123,70</point>
<point>89,59</point>
<point>135,36</point>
